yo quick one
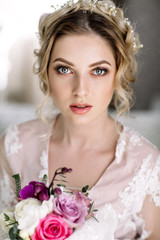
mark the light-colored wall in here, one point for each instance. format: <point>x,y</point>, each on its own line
<point>18,39</point>
<point>18,27</point>
<point>18,24</point>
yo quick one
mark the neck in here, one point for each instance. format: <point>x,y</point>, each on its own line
<point>87,135</point>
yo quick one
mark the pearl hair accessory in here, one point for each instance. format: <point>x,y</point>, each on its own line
<point>91,5</point>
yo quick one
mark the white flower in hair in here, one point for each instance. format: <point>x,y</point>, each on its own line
<point>91,5</point>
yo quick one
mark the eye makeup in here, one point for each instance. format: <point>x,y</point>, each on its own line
<point>64,69</point>
<point>100,71</point>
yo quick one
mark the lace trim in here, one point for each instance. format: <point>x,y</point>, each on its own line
<point>134,192</point>
<point>44,164</point>
<point>120,151</point>
<point>7,196</point>
<point>145,182</point>
<point>141,231</point>
<point>11,142</point>
<point>153,185</point>
<point>134,222</point>
<point>135,138</point>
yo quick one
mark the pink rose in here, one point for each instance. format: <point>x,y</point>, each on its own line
<point>52,227</point>
<point>73,211</point>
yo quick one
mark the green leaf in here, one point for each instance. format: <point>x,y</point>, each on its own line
<point>60,180</point>
<point>61,185</point>
<point>52,192</point>
<point>15,228</point>
<point>90,208</point>
<point>84,189</point>
<point>63,181</point>
<point>17,180</point>
<point>12,223</point>
<point>7,218</point>
<point>13,232</point>
<point>45,177</point>
<point>67,191</point>
<point>57,180</point>
<point>19,238</point>
<point>62,175</point>
<point>95,210</point>
<point>95,218</point>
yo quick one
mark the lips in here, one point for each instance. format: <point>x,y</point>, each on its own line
<point>80,108</point>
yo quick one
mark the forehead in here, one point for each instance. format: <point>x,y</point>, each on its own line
<point>88,47</point>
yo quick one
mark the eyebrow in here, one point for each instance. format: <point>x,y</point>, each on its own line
<point>71,64</point>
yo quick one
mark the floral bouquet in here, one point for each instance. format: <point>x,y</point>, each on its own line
<point>46,212</point>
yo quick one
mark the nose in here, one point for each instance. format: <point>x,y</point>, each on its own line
<point>81,86</point>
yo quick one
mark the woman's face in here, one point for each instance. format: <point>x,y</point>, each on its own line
<point>82,75</point>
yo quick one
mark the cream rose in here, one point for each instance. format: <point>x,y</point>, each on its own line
<point>28,213</point>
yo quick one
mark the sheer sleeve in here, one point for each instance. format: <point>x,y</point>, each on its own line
<point>7,196</point>
<point>151,206</point>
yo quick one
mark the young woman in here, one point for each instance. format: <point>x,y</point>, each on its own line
<point>87,59</point>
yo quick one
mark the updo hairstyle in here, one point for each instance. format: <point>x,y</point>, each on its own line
<point>81,19</point>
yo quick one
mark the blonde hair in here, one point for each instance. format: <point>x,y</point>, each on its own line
<point>113,28</point>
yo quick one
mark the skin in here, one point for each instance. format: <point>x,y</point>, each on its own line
<point>81,82</point>
<point>91,138</point>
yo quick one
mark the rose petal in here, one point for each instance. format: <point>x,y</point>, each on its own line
<point>52,227</point>
<point>74,212</point>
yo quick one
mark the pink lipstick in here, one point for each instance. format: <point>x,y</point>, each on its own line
<point>80,108</point>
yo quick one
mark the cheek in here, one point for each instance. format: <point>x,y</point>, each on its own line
<point>59,93</point>
<point>54,86</point>
<point>108,91</point>
<point>109,86</point>
<point>61,88</point>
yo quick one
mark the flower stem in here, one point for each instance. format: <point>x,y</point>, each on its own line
<point>59,171</point>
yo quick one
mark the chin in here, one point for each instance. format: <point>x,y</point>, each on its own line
<point>80,120</point>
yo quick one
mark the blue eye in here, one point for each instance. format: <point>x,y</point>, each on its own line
<point>63,70</point>
<point>100,71</point>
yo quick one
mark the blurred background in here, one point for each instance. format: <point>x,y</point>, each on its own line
<point>19,87</point>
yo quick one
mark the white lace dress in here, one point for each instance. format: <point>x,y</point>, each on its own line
<point>123,193</point>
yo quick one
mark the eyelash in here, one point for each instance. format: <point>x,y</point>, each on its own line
<point>60,67</point>
<point>105,70</point>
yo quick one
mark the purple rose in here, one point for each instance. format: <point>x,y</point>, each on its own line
<point>80,197</point>
<point>36,190</point>
<point>73,211</point>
